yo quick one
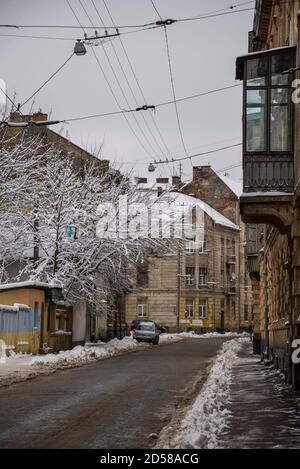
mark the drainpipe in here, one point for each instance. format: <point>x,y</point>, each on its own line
<point>239,282</point>
<point>266,307</point>
<point>178,288</point>
<point>298,42</point>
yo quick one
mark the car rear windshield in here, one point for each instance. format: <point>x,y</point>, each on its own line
<point>145,326</point>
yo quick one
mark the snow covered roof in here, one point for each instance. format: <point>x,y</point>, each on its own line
<point>28,283</point>
<point>218,218</point>
<point>234,186</point>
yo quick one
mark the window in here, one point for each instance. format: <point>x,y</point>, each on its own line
<point>142,308</point>
<point>268,103</point>
<point>252,239</point>
<point>222,247</point>
<point>142,276</point>
<point>189,309</point>
<point>233,248</point>
<point>227,312</point>
<point>246,312</point>
<point>190,246</point>
<point>203,309</point>
<point>190,276</point>
<point>256,121</point>
<point>36,314</point>
<point>222,278</point>
<point>57,321</point>
<point>203,246</point>
<point>233,311</point>
<point>257,72</point>
<point>228,247</point>
<point>280,120</point>
<point>202,276</point>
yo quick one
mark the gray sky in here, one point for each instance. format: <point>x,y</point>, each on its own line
<point>203,56</point>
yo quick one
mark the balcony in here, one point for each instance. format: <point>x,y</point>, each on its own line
<point>230,260</point>
<point>268,136</point>
<point>231,290</point>
<point>266,173</point>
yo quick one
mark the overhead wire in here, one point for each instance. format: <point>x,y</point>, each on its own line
<point>47,81</point>
<point>123,92</point>
<point>130,87</point>
<point>222,12</point>
<point>172,82</point>
<point>139,87</point>
<point>113,93</point>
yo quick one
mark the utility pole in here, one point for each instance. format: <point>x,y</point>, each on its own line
<point>178,288</point>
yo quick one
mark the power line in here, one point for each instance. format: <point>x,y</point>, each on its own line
<point>126,111</point>
<point>153,23</point>
<point>114,95</point>
<point>47,81</point>
<point>190,157</point>
<point>138,84</point>
<point>56,38</point>
<point>153,4</point>
<point>195,18</point>
<point>120,87</point>
<point>172,82</point>
<point>131,90</point>
<point>9,99</point>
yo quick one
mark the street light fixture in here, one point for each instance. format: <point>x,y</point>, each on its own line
<point>151,168</point>
<point>79,48</point>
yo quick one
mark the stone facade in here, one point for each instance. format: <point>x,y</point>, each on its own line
<point>215,288</point>
<point>277,317</point>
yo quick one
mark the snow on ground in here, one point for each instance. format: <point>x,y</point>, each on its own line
<point>99,351</point>
<point>208,417</point>
<point>210,335</point>
<point>20,367</point>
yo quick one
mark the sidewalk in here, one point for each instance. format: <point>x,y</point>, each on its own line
<point>264,412</point>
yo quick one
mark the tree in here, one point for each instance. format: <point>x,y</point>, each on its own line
<point>49,214</point>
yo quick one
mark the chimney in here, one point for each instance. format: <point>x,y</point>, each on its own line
<point>176,182</point>
<point>201,172</point>
<point>37,116</point>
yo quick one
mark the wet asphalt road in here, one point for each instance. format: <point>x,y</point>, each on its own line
<point>114,403</point>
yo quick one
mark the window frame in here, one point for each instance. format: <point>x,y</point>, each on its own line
<point>142,302</point>
<point>203,307</point>
<point>189,308</point>
<point>190,277</point>
<point>202,275</point>
<point>268,87</point>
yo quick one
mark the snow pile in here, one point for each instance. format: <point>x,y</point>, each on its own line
<point>100,351</point>
<point>208,417</point>
<point>209,335</point>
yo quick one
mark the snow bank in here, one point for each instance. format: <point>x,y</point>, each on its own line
<point>208,417</point>
<point>100,351</point>
<point>209,335</point>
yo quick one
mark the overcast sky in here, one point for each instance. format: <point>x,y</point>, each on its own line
<point>203,56</point>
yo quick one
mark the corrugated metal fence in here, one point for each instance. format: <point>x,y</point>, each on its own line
<point>19,328</point>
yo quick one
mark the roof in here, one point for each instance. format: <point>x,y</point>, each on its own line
<point>253,55</point>
<point>234,186</point>
<point>28,284</point>
<point>218,218</point>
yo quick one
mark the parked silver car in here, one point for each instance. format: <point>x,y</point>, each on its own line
<point>146,332</point>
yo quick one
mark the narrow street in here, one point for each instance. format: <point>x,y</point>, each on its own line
<point>116,403</point>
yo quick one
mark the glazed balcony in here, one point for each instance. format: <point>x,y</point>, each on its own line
<point>268,135</point>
